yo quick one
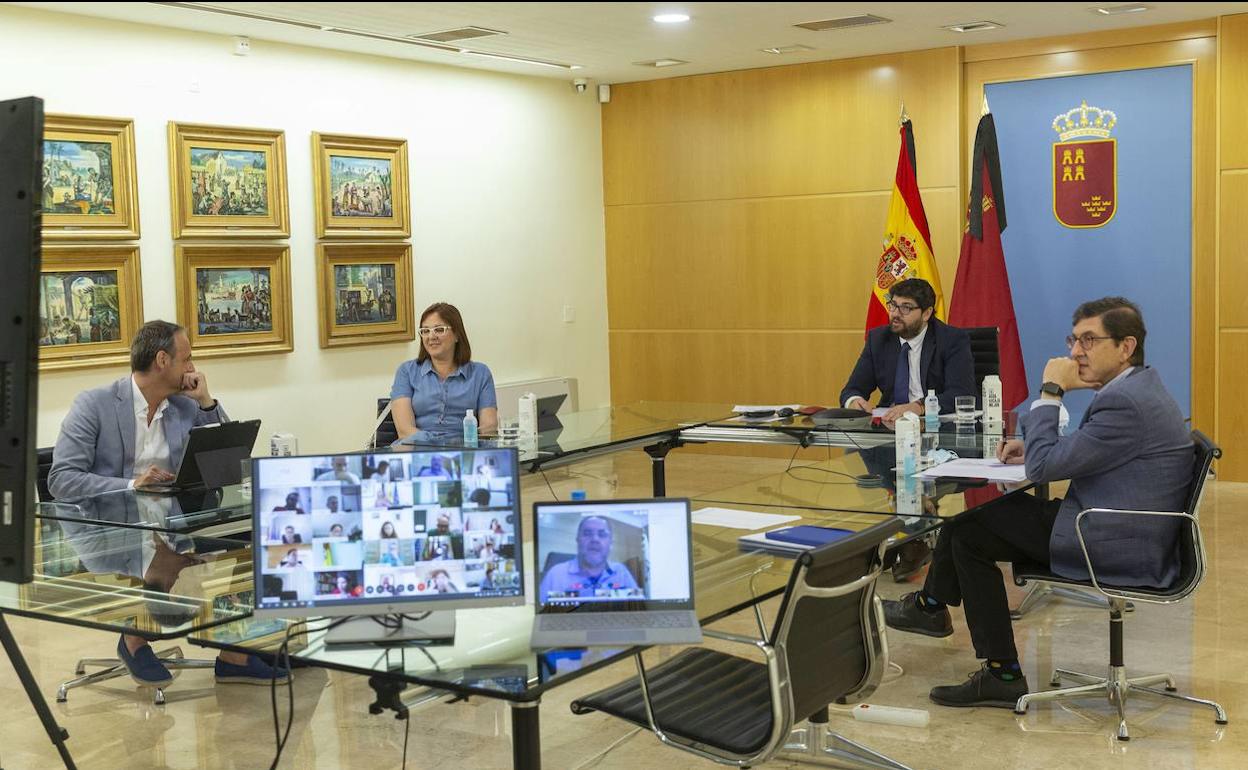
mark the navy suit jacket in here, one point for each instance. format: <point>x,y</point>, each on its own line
<point>946,365</point>
<point>95,451</point>
<point>1132,452</point>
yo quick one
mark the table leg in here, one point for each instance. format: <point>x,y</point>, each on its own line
<point>526,737</point>
<point>658,469</point>
<point>57,733</point>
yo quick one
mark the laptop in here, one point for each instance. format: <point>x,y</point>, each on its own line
<point>615,572</point>
<point>212,457</point>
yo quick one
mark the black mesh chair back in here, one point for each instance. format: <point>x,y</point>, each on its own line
<point>985,353</point>
<point>41,478</point>
<point>386,433</point>
<point>1190,549</point>
<point>831,643</point>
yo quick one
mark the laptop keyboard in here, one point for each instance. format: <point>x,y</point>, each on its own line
<point>609,620</point>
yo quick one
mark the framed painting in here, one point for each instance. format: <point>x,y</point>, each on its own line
<point>365,293</point>
<point>89,182</point>
<point>90,305</point>
<point>234,299</point>
<point>360,187</point>
<point>227,182</point>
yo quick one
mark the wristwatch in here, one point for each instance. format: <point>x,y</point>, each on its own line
<point>1053,388</point>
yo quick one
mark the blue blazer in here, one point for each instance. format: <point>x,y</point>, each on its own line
<point>1132,451</point>
<point>95,449</point>
<point>945,365</point>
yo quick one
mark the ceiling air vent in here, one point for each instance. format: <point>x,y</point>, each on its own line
<point>455,35</point>
<point>845,22</point>
<point>783,49</point>
<point>660,63</point>
<point>973,26</point>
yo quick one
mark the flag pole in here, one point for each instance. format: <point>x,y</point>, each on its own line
<point>983,110</point>
<point>901,121</point>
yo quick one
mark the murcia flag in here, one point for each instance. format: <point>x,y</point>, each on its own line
<point>907,239</point>
<point>1085,167</point>
<point>981,289</point>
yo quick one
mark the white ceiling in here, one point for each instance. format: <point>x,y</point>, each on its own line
<point>605,39</point>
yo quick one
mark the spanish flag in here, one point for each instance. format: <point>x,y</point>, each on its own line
<point>907,239</point>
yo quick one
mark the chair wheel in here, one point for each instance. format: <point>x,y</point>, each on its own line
<point>1124,738</point>
<point>1172,689</point>
<point>63,699</point>
<point>1020,713</point>
<point>1221,721</point>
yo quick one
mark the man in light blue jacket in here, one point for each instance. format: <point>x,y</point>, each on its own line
<point>1131,451</point>
<point>125,435</point>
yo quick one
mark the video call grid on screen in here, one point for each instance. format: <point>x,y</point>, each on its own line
<point>648,557</point>
<point>344,530</point>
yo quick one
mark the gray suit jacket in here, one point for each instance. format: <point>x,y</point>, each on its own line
<point>95,450</point>
<point>1132,451</point>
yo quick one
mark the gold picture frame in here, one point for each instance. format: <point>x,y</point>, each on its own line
<point>361,188</point>
<point>227,182</point>
<point>364,293</point>
<point>90,305</point>
<point>234,298</point>
<point>90,187</point>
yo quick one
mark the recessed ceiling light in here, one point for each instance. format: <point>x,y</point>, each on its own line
<point>973,26</point>
<point>844,22</point>
<point>520,59</point>
<point>1114,10</point>
<point>327,29</point>
<point>671,18</point>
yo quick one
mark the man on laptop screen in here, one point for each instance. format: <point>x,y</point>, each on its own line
<point>591,573</point>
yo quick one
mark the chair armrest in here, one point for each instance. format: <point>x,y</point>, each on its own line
<point>1113,593</point>
<point>738,638</point>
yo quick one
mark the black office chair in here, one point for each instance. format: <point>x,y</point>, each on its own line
<point>985,353</point>
<point>41,478</point>
<point>1191,572</point>
<point>386,433</point>
<point>825,648</point>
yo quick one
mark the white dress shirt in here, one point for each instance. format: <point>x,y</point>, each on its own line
<point>150,446</point>
<point>916,364</point>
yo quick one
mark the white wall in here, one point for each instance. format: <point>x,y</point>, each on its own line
<point>506,186</point>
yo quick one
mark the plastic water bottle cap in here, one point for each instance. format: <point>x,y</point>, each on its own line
<point>578,494</point>
<point>469,413</point>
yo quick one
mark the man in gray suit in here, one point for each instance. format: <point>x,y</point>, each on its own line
<point>126,435</point>
<point>1132,451</point>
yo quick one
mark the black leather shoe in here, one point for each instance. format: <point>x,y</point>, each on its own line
<point>981,689</point>
<point>910,559</point>
<point>905,615</point>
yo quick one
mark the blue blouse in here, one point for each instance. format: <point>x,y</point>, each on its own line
<point>440,405</point>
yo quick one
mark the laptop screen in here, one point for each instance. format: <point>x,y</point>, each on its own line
<point>620,554</point>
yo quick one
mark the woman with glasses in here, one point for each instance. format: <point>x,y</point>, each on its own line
<point>433,392</point>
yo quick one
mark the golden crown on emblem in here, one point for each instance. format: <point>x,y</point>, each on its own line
<point>1085,121</point>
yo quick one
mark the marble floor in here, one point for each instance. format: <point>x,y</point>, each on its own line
<point>1200,641</point>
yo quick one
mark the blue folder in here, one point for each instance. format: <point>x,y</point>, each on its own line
<point>810,536</point>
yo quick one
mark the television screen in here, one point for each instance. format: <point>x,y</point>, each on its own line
<point>21,162</point>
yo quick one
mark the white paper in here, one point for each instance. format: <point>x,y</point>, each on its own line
<point>743,408</point>
<point>880,411</point>
<point>977,468</point>
<point>734,519</point>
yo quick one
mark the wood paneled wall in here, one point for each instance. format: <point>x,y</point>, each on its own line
<point>745,211</point>
<point>1232,260</point>
<point>744,216</point>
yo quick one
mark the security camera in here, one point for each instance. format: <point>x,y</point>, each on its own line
<point>580,84</point>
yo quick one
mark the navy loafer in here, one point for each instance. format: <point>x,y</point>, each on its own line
<point>255,672</point>
<point>144,667</point>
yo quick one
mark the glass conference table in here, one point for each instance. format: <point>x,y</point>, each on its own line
<point>655,427</point>
<point>88,575</point>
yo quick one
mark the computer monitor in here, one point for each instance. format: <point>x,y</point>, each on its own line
<point>21,166</point>
<point>388,533</point>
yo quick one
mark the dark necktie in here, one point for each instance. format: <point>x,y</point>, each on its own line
<point>901,383</point>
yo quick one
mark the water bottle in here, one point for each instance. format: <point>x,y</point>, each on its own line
<point>931,412</point>
<point>470,429</point>
<point>578,495</point>
<point>906,433</point>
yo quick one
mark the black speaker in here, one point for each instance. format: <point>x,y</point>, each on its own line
<point>21,164</point>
